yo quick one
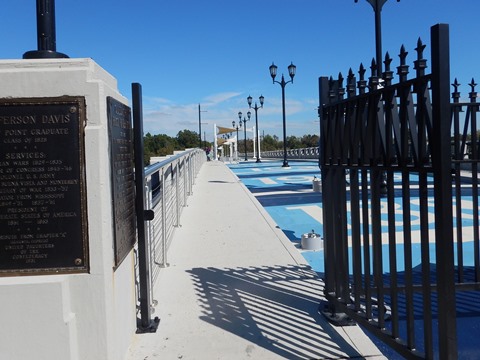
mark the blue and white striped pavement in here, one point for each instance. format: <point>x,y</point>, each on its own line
<point>288,197</point>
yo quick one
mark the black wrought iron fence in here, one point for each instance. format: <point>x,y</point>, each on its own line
<point>400,202</point>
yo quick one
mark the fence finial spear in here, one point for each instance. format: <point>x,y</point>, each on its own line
<point>402,70</point>
<point>473,93</point>
<point>420,64</point>
<point>351,83</point>
<point>362,83</point>
<point>373,80</point>
<point>362,71</point>
<point>388,73</point>
<point>420,47</point>
<point>341,89</point>
<point>456,85</point>
<point>456,93</point>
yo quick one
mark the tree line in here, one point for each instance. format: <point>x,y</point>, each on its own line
<point>162,145</point>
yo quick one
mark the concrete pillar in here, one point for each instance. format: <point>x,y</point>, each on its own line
<point>89,314</point>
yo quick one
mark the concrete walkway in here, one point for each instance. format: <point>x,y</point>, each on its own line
<point>237,288</point>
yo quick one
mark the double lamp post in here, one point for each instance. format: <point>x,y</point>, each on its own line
<point>249,100</point>
<point>273,73</point>
<point>249,114</point>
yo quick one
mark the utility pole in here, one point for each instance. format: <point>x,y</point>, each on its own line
<point>200,126</point>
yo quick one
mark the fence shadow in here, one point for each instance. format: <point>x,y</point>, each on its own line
<point>274,307</point>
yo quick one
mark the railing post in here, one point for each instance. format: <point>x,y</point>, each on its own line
<point>146,324</point>
<point>184,179</point>
<point>177,192</point>
<point>149,235</point>
<point>164,222</point>
<point>190,176</point>
<point>441,161</point>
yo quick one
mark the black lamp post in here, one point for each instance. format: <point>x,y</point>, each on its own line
<point>236,128</point>
<point>200,126</point>
<point>46,33</point>
<point>249,114</point>
<point>377,6</point>
<point>273,72</point>
<point>249,100</point>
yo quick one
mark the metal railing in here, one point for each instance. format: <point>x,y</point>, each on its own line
<point>167,185</point>
<point>294,154</point>
<point>465,152</point>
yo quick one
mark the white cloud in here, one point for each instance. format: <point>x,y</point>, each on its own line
<point>220,97</point>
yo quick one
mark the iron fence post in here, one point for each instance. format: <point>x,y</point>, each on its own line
<point>327,221</point>
<point>441,161</point>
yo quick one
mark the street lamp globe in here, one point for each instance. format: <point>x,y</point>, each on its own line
<point>292,69</point>
<point>273,71</point>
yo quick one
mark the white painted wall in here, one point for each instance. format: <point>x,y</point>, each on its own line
<point>81,316</point>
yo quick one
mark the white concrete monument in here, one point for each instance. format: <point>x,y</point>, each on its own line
<point>67,286</point>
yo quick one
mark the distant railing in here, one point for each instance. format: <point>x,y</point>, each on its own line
<point>168,183</point>
<point>314,152</point>
<point>303,153</point>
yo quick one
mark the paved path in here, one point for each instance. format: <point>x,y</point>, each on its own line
<point>237,288</point>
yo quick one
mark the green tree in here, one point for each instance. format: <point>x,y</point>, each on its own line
<point>269,142</point>
<point>310,140</point>
<point>293,142</point>
<point>158,145</point>
<point>241,146</point>
<point>187,139</point>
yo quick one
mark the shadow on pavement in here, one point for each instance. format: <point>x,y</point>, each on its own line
<point>274,307</point>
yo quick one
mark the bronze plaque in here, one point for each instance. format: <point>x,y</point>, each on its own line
<point>123,185</point>
<point>43,215</point>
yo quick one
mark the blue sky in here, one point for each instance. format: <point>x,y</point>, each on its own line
<point>217,52</point>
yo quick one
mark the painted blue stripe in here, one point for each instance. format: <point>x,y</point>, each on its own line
<point>287,193</point>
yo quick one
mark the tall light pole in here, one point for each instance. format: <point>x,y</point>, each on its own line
<point>46,33</point>
<point>249,100</point>
<point>292,69</point>
<point>200,126</point>
<point>249,114</point>
<point>377,6</point>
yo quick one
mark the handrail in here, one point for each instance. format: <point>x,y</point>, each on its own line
<point>165,181</point>
<point>150,169</point>
<point>167,184</point>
